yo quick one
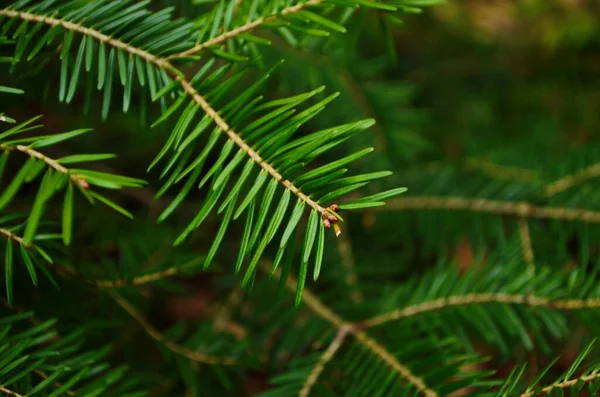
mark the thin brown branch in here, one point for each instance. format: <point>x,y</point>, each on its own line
<point>10,392</point>
<point>563,385</point>
<point>244,28</point>
<point>327,355</point>
<point>472,299</point>
<point>191,354</point>
<point>360,336</point>
<point>522,209</point>
<point>80,180</point>
<point>593,171</point>
<point>502,172</point>
<point>177,75</point>
<point>11,236</point>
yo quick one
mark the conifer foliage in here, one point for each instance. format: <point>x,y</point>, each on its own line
<point>247,183</point>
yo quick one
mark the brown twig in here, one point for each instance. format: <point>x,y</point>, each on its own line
<point>563,385</point>
<point>522,209</point>
<point>191,354</point>
<point>471,299</point>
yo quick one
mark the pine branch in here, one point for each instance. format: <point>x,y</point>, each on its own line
<point>193,355</point>
<point>327,355</point>
<point>245,28</point>
<point>563,385</point>
<point>177,75</point>
<point>472,299</point>
<point>576,178</point>
<point>522,208</point>
<point>359,335</point>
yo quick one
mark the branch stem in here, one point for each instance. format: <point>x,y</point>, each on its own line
<point>471,299</point>
<point>522,208</point>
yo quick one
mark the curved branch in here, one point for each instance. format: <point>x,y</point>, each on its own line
<point>193,355</point>
<point>471,299</point>
<point>327,355</point>
<point>177,75</point>
<point>244,28</point>
<point>593,171</point>
<point>355,330</point>
<point>521,208</point>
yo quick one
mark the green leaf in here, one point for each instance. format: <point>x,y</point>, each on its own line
<point>321,20</point>
<point>260,180</point>
<point>111,204</point>
<point>219,237</point>
<point>320,249</point>
<point>380,196</point>
<point>83,158</point>
<point>8,271</point>
<point>245,237</point>
<point>326,169</point>
<point>10,90</point>
<point>16,183</point>
<point>57,138</point>
<point>46,382</point>
<point>67,216</point>
<point>29,264</point>
<point>356,206</point>
<point>309,239</point>
<point>276,219</point>
<point>76,70</point>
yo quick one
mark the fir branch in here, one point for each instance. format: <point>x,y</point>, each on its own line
<point>190,354</point>
<point>359,335</point>
<point>562,385</point>
<point>522,208</point>
<point>327,355</point>
<point>567,182</point>
<point>244,28</point>
<point>472,299</point>
<point>11,236</point>
<point>178,76</point>
<point>78,179</point>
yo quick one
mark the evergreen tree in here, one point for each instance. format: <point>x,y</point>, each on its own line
<point>229,226</point>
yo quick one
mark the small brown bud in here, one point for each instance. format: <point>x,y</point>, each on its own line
<point>83,183</point>
<point>334,207</point>
<point>326,223</point>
